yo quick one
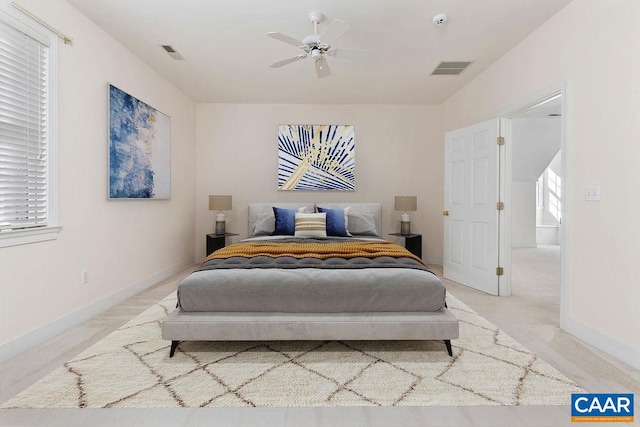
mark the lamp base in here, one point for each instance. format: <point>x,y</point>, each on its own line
<point>220,227</point>
<point>220,224</point>
<point>405,227</point>
<point>405,224</point>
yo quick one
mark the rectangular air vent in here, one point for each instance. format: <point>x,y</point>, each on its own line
<point>451,68</point>
<point>171,51</point>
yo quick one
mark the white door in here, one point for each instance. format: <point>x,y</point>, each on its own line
<point>471,215</point>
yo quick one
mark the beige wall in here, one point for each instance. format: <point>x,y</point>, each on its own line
<point>399,151</point>
<point>595,46</point>
<point>121,243</point>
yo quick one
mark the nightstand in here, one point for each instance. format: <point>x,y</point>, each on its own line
<point>413,242</point>
<point>217,241</point>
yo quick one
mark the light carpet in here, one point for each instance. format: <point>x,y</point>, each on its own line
<point>131,368</point>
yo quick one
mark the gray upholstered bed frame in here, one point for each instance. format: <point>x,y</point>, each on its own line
<point>233,326</point>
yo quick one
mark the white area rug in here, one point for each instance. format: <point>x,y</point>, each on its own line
<point>131,368</point>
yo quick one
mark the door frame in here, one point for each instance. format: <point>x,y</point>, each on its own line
<point>505,190</point>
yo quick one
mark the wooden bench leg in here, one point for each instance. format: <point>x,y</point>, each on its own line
<point>448,344</point>
<point>174,345</point>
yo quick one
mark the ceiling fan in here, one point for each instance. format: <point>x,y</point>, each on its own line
<point>317,45</point>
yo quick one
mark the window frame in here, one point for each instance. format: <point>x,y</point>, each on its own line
<point>50,231</point>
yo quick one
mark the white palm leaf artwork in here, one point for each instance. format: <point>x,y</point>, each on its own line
<point>316,157</point>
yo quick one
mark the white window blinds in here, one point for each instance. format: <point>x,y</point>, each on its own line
<point>23,129</point>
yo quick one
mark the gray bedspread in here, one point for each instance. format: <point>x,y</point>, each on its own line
<point>310,285</point>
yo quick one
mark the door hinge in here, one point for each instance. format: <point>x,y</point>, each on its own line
<point>500,141</point>
<point>500,206</point>
<point>499,271</point>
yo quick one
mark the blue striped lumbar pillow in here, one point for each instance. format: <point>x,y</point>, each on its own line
<point>311,225</point>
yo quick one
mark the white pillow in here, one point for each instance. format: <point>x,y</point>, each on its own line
<point>311,225</point>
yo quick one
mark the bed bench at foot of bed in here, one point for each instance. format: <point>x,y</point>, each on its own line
<point>209,326</point>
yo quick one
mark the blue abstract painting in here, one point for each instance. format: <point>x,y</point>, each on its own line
<point>139,149</point>
<point>316,157</point>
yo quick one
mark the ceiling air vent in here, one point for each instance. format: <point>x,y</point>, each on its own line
<point>171,51</point>
<point>452,68</point>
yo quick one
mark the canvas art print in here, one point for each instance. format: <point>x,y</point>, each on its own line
<point>139,149</point>
<point>316,157</point>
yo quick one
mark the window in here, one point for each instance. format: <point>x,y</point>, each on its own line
<point>540,191</point>
<point>554,183</point>
<point>549,194</point>
<point>27,138</point>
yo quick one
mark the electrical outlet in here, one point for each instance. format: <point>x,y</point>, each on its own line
<point>592,193</point>
<point>84,277</point>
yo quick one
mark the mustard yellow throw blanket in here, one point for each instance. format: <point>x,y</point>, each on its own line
<point>313,250</point>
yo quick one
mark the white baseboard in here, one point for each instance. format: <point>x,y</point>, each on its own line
<point>548,242</point>
<point>620,351</point>
<point>48,331</point>
<point>524,245</point>
<point>432,260</point>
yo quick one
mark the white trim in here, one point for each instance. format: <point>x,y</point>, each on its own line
<point>50,330</point>
<point>520,245</point>
<point>433,260</point>
<point>547,242</point>
<point>565,146</point>
<point>52,136</point>
<point>620,351</point>
<point>504,229</point>
<point>29,235</point>
<point>508,113</point>
<point>533,100</point>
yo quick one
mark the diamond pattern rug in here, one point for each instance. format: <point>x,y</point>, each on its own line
<point>131,368</point>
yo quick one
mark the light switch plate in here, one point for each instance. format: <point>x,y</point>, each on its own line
<point>592,193</point>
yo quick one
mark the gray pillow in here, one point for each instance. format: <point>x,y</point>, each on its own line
<point>265,225</point>
<point>362,224</point>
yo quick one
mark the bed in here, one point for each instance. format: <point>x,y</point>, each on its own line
<point>298,284</point>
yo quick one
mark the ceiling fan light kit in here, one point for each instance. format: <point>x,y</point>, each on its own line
<point>317,45</point>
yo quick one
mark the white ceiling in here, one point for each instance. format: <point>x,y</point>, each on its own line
<point>227,54</point>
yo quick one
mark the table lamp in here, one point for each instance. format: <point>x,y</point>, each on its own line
<point>406,204</point>
<point>220,203</point>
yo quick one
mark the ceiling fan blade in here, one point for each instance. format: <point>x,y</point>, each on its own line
<point>284,38</point>
<point>356,54</point>
<point>334,31</point>
<point>287,61</point>
<point>322,67</point>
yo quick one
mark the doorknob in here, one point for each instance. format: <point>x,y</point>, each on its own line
<point>445,213</point>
